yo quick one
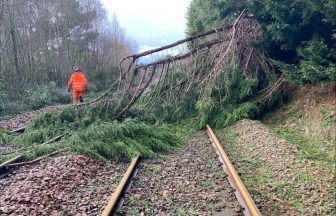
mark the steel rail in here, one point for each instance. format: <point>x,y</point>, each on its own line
<point>19,130</point>
<point>5,166</point>
<point>12,160</point>
<point>114,201</point>
<point>4,171</point>
<point>27,148</point>
<point>243,196</point>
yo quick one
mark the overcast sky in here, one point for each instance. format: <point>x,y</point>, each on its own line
<point>151,23</point>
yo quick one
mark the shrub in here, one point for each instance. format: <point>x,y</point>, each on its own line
<point>34,99</point>
<point>316,64</point>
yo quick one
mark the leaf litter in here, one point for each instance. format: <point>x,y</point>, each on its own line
<point>66,185</point>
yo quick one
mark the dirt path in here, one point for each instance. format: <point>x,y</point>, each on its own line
<point>277,174</point>
<point>67,185</point>
<point>188,182</point>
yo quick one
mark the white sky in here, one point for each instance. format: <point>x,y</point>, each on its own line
<point>151,23</point>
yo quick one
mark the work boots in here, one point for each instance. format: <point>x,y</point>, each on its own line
<point>81,99</point>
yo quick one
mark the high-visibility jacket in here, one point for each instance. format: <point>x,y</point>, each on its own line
<point>77,82</point>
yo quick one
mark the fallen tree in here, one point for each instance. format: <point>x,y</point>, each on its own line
<point>216,78</point>
<point>206,69</point>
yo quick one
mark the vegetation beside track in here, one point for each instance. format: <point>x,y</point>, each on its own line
<point>308,121</point>
<point>281,178</point>
<point>287,160</point>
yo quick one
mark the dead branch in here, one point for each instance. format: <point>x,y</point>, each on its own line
<point>39,158</point>
<point>181,57</point>
<point>177,43</point>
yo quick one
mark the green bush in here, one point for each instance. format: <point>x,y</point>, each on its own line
<point>34,99</point>
<point>316,64</point>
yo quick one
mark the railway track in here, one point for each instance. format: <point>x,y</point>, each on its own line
<point>115,203</point>
<point>248,206</point>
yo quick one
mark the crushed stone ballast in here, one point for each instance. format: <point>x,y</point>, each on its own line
<point>123,190</point>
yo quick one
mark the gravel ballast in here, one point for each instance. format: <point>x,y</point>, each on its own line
<point>67,185</point>
<point>188,182</point>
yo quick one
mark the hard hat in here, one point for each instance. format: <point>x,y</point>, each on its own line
<point>77,69</point>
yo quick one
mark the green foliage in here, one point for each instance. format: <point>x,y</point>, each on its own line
<point>33,99</point>
<point>206,110</point>
<point>228,98</point>
<point>4,137</point>
<point>231,102</point>
<point>125,140</point>
<point>245,110</point>
<point>90,133</point>
<point>316,64</point>
<point>205,15</point>
<point>300,33</point>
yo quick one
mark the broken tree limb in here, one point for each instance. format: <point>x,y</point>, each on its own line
<point>181,57</point>
<point>38,159</point>
<point>136,96</point>
<point>6,163</point>
<point>219,63</point>
<point>178,43</point>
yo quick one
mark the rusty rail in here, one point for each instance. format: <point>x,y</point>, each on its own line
<point>243,196</point>
<point>6,163</point>
<point>114,201</point>
<point>5,166</point>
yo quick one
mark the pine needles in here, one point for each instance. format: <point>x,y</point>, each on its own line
<point>94,137</point>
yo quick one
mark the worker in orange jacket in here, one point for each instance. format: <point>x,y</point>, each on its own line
<point>79,84</point>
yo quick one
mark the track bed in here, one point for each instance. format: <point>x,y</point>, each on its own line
<point>67,185</point>
<point>190,181</point>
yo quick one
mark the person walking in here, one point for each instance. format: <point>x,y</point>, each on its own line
<point>78,83</point>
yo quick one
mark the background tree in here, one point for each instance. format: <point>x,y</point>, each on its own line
<point>42,40</point>
<point>297,34</point>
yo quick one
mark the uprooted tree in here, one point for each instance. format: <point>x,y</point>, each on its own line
<point>218,76</point>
